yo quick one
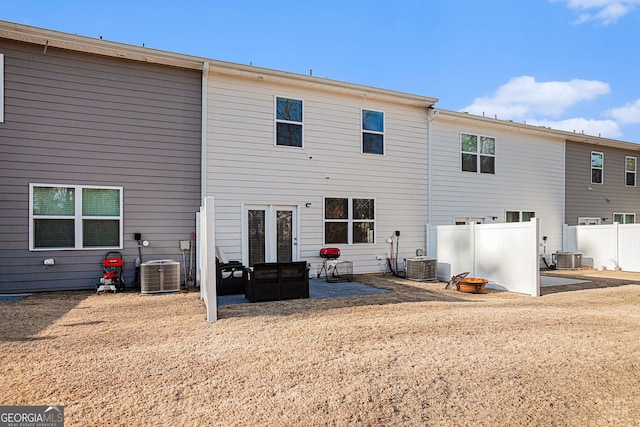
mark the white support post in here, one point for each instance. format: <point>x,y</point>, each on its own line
<point>209,284</point>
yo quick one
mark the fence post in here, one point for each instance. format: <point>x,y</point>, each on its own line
<point>209,284</point>
<point>472,243</point>
<point>535,255</point>
<point>616,231</point>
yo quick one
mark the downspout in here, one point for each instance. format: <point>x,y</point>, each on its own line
<point>203,148</point>
<point>431,115</point>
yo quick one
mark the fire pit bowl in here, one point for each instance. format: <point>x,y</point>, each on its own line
<point>472,285</point>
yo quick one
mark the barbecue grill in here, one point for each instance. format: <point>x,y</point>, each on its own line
<point>330,253</point>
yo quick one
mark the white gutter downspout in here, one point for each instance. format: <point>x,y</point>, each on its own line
<point>203,154</point>
<point>431,115</point>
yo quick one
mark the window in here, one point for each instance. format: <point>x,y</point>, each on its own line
<point>624,218</point>
<point>1,88</point>
<point>630,171</point>
<point>465,220</point>
<point>289,122</point>
<point>75,217</point>
<point>586,220</point>
<point>372,132</point>
<point>519,216</point>
<point>478,153</point>
<point>349,220</point>
<point>597,167</point>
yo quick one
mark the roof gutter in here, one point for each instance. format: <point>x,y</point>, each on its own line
<point>55,39</point>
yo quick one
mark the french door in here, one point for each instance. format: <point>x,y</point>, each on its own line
<point>270,233</point>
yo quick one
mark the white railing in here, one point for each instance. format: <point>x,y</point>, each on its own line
<point>505,254</point>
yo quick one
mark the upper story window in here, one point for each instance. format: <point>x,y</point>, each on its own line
<point>624,218</point>
<point>288,122</point>
<point>519,216</point>
<point>349,220</point>
<point>630,171</point>
<point>74,217</point>
<point>597,167</point>
<point>1,88</point>
<point>372,132</point>
<point>478,153</point>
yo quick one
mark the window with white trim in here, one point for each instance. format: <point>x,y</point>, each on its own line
<point>1,88</point>
<point>624,218</point>
<point>372,132</point>
<point>519,216</point>
<point>478,153</point>
<point>465,220</point>
<point>597,167</point>
<point>74,217</point>
<point>289,122</point>
<point>349,220</point>
<point>630,171</point>
<point>588,220</point>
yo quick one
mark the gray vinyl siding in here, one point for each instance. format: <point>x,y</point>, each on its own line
<point>73,118</point>
<point>602,200</point>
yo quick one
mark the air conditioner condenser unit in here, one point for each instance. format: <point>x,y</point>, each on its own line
<point>567,260</point>
<point>159,276</point>
<point>422,269</point>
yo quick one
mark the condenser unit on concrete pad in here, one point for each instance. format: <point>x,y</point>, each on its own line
<point>159,276</point>
<point>422,269</point>
<point>567,260</point>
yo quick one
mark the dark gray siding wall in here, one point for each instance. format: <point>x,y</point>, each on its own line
<point>602,200</point>
<point>79,119</point>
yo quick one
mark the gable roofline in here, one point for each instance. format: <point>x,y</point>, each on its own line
<point>73,42</point>
<point>542,130</point>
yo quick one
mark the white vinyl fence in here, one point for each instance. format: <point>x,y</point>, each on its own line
<point>206,265</point>
<point>608,246</point>
<point>505,254</point>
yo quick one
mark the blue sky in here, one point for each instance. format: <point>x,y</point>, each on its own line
<point>566,64</point>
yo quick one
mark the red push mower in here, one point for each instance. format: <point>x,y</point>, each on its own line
<point>111,279</point>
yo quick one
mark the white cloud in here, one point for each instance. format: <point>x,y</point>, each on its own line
<point>526,100</point>
<point>606,11</point>
<point>523,97</point>
<point>604,128</point>
<point>628,113</point>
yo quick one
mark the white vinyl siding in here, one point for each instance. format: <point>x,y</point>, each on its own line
<point>240,127</point>
<point>521,155</point>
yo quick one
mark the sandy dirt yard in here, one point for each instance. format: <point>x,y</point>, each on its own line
<point>419,355</point>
